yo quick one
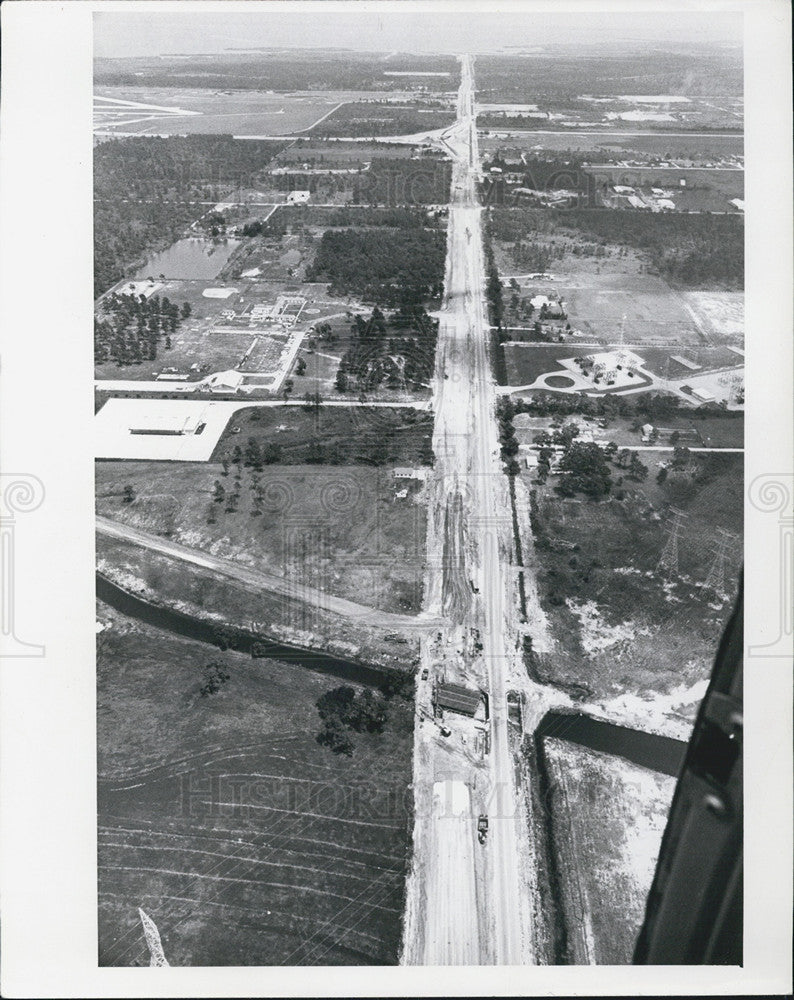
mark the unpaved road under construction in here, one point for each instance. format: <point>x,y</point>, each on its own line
<point>468,903</point>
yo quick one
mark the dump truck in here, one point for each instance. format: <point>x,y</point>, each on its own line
<point>482,828</point>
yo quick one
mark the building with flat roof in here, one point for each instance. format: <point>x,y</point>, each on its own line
<point>407,472</point>
<point>163,424</point>
<point>457,698</point>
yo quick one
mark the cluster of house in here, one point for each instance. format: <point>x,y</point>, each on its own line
<point>548,308</point>
<point>658,200</point>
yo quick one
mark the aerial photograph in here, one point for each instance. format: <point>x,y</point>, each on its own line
<point>419,444</point>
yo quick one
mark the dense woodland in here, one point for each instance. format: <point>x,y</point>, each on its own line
<point>394,267</point>
<point>132,327</point>
<point>401,181</point>
<point>295,216</point>
<point>272,70</point>
<point>148,189</point>
<point>394,218</point>
<point>562,76</point>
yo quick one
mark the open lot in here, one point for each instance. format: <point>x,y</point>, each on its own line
<point>155,110</point>
<point>343,530</point>
<point>652,310</point>
<point>607,820</point>
<point>246,841</point>
<point>613,292</point>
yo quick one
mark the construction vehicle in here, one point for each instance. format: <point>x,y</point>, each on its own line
<point>482,828</point>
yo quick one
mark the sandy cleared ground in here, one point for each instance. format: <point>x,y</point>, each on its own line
<point>452,932</point>
<point>722,313</point>
<point>608,817</point>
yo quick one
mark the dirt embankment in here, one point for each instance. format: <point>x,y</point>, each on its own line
<point>222,603</point>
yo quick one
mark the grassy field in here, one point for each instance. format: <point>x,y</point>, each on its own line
<point>607,818</point>
<point>342,529</point>
<point>245,841</point>
<point>622,626</point>
<point>525,364</point>
<point>358,434</point>
<point>241,112</point>
<point>687,148</point>
<point>606,289</point>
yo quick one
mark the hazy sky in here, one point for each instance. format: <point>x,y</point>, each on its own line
<point>128,33</point>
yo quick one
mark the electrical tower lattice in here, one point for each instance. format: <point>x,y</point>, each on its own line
<point>716,579</point>
<point>668,560</point>
<point>152,940</point>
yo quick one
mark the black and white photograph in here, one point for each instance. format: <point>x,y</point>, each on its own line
<point>417,482</point>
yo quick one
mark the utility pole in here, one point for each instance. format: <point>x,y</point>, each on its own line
<point>716,579</point>
<point>669,558</point>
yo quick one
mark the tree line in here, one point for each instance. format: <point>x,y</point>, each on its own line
<point>690,249</point>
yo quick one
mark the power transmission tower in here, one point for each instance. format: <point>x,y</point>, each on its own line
<point>669,558</point>
<point>152,940</point>
<point>716,579</point>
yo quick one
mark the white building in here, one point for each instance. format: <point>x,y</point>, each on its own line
<point>703,395</point>
<point>298,197</point>
<point>408,473</point>
<point>228,381</point>
<point>163,424</point>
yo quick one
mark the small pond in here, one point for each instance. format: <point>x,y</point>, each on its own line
<point>192,258</point>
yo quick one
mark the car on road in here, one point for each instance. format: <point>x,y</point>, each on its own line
<point>424,674</point>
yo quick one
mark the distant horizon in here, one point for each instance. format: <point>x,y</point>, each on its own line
<point>138,33</point>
